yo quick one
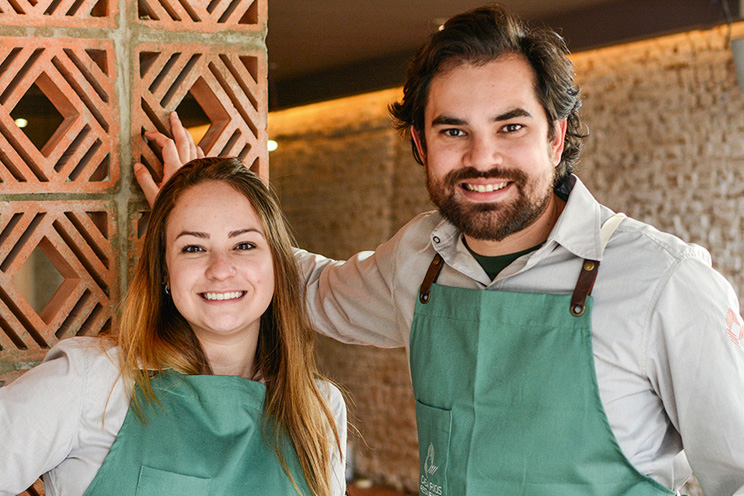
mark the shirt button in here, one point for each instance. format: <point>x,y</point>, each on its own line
<point>436,239</point>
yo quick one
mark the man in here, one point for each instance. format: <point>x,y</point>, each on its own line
<point>555,348</point>
<point>524,382</point>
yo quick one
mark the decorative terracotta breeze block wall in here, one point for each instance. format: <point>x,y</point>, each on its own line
<point>71,216</point>
<point>78,78</point>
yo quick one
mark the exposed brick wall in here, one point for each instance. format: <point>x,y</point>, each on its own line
<point>667,146</point>
<point>667,139</point>
<point>347,182</point>
<point>71,217</point>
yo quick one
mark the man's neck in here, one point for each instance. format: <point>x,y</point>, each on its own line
<point>533,235</point>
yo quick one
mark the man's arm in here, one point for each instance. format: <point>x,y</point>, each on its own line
<point>353,301</point>
<point>696,363</point>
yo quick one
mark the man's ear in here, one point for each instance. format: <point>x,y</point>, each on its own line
<point>418,140</point>
<point>558,142</point>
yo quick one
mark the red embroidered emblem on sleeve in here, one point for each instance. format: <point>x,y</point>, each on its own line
<point>735,327</point>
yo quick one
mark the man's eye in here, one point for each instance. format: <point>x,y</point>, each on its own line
<point>192,249</point>
<point>245,246</point>
<point>454,133</point>
<point>512,128</point>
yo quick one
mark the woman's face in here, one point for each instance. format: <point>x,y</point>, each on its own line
<point>220,268</point>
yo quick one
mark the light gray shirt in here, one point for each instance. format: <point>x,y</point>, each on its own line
<point>60,418</point>
<point>666,328</point>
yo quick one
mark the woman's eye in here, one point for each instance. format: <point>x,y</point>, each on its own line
<point>245,246</point>
<point>192,249</point>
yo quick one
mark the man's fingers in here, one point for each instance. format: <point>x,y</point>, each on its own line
<point>158,138</point>
<point>146,182</point>
<point>175,152</point>
<point>171,161</point>
<point>184,142</point>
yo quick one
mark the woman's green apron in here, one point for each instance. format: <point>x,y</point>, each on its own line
<point>506,394</point>
<point>208,438</point>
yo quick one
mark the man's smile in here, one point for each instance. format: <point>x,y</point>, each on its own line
<point>484,188</point>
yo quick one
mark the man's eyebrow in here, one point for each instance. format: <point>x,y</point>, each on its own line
<point>447,120</point>
<point>511,114</point>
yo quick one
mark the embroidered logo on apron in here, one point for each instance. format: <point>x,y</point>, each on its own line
<point>427,488</point>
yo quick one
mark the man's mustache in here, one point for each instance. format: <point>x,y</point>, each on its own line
<point>459,175</point>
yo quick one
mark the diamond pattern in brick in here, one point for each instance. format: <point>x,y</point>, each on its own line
<point>227,85</point>
<point>74,13</point>
<point>77,239</point>
<point>203,16</point>
<point>78,77</point>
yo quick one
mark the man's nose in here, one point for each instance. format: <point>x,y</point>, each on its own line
<point>484,153</point>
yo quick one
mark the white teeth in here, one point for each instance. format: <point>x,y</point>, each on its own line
<point>484,188</point>
<point>223,296</point>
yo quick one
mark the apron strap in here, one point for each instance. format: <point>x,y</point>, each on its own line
<point>431,277</point>
<point>589,268</point>
<point>584,286</point>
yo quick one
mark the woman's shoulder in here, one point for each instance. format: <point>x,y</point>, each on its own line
<point>331,392</point>
<point>85,347</point>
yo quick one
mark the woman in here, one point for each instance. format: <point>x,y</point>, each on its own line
<point>210,386</point>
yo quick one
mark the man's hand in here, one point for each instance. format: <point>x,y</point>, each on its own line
<point>176,152</point>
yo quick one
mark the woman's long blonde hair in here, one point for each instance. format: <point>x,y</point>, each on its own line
<point>154,336</point>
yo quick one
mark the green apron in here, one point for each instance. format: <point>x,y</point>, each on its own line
<point>207,439</point>
<point>506,393</point>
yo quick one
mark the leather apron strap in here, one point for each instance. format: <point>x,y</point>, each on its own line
<point>431,277</point>
<point>584,284</point>
<point>589,268</point>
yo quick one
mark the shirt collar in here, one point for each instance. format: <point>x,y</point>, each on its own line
<point>577,229</point>
<point>446,239</point>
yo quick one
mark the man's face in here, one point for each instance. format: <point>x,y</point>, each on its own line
<point>489,162</point>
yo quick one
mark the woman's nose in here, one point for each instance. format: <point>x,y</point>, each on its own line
<point>220,267</point>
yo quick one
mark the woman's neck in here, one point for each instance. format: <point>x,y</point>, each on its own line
<point>232,356</point>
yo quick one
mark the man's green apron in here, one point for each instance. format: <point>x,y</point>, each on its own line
<point>207,439</point>
<point>507,401</point>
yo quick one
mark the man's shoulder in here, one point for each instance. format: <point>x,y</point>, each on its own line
<point>423,223</point>
<point>416,234</point>
<point>644,240</point>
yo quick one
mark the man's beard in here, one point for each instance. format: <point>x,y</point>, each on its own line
<point>487,221</point>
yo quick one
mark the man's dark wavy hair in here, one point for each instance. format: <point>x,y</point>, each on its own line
<point>483,35</point>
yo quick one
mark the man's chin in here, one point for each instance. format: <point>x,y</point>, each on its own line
<point>491,221</point>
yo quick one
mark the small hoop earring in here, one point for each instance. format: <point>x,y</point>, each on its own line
<point>166,288</point>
